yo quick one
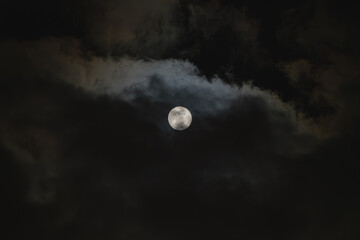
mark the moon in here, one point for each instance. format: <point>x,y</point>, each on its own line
<point>180,118</point>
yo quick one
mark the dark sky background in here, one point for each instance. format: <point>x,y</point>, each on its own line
<point>87,152</point>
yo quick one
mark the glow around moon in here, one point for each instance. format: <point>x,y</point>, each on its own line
<point>180,118</point>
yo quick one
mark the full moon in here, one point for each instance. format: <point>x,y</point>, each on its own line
<point>180,118</point>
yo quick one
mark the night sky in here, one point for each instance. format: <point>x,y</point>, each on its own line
<point>273,150</point>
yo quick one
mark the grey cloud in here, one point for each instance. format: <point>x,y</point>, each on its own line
<point>328,66</point>
<point>176,81</point>
<point>141,27</point>
<point>210,18</point>
<point>298,69</point>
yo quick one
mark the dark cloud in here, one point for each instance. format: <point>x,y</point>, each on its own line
<point>87,152</point>
<point>325,35</point>
<point>102,165</point>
